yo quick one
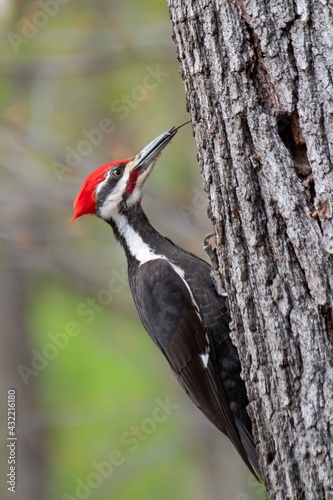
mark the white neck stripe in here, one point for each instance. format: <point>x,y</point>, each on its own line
<point>137,247</point>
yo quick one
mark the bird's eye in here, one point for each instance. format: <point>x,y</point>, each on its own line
<point>116,172</point>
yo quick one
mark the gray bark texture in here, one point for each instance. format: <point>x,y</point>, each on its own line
<point>258,78</point>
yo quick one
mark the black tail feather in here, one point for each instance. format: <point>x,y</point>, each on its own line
<point>249,448</point>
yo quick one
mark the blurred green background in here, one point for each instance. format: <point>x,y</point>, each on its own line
<point>100,415</point>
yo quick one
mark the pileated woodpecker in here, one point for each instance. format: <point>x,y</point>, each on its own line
<point>175,296</point>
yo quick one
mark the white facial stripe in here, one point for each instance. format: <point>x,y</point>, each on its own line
<point>109,209</point>
<point>136,195</point>
<point>100,185</point>
<point>119,187</point>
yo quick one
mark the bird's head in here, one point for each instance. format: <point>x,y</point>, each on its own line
<point>119,184</point>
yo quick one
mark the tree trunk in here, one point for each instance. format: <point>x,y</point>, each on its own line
<point>258,79</point>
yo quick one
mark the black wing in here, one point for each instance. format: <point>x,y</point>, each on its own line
<point>170,316</point>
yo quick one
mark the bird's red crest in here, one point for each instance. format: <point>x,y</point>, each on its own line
<point>85,200</point>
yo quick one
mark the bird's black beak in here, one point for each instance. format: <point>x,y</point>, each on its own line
<point>150,152</point>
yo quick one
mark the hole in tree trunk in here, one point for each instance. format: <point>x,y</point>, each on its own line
<point>291,135</point>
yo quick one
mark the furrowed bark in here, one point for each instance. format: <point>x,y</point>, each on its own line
<point>258,79</point>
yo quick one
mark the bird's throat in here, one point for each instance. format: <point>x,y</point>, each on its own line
<point>138,238</point>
